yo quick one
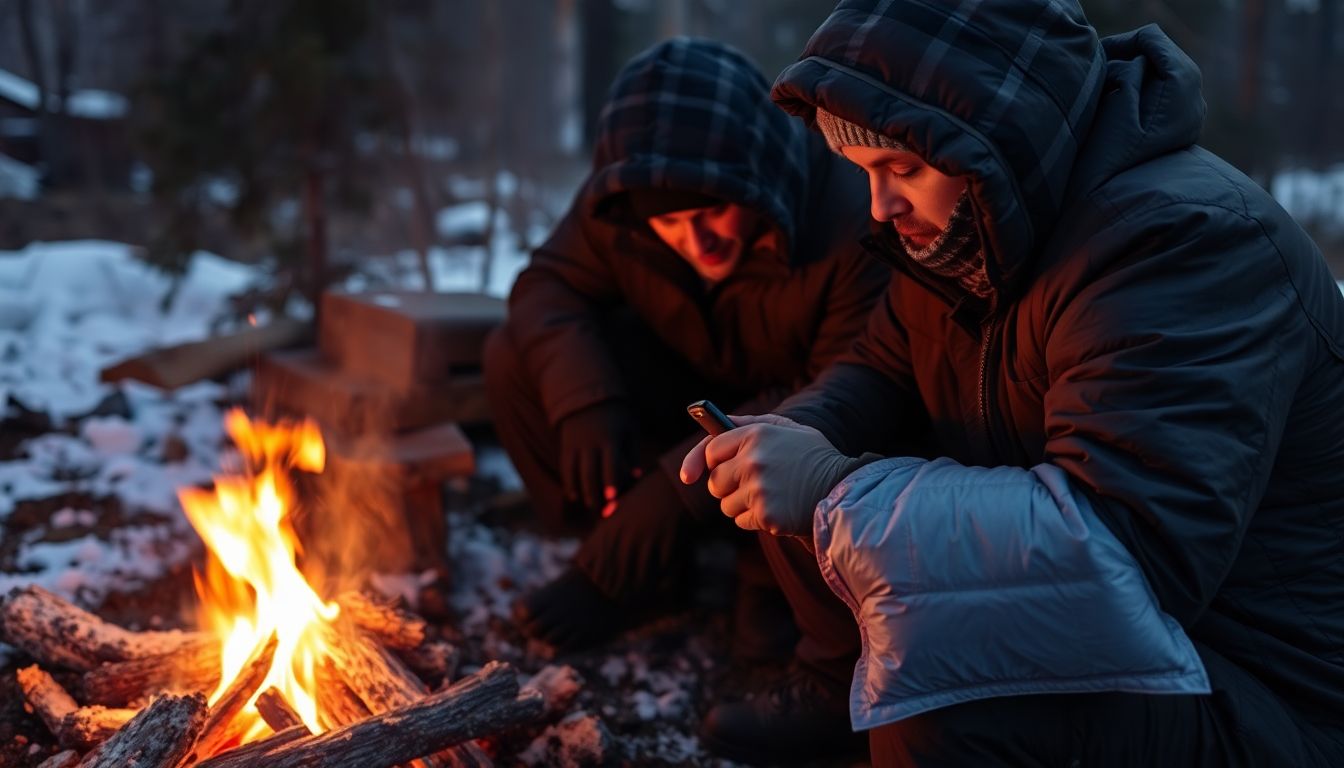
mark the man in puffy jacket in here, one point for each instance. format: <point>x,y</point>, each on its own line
<point>1092,443</point>
<point>713,251</point>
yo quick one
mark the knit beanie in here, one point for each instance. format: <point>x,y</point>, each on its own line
<point>842,133</point>
<point>955,254</point>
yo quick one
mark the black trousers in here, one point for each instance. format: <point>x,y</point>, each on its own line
<point>1241,723</point>
<point>646,543</point>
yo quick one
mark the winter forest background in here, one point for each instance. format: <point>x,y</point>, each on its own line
<point>337,140</point>
<point>174,170</point>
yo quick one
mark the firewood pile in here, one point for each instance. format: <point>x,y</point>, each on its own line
<point>140,698</point>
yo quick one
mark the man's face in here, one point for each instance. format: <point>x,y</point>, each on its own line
<point>712,240</point>
<point>907,192</point>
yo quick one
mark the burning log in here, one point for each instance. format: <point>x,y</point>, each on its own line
<point>394,628</point>
<point>277,712</point>
<point>218,728</point>
<point>479,705</point>
<point>58,633</point>
<point>403,632</point>
<point>73,726</point>
<point>194,667</point>
<point>380,680</point>
<point>335,701</point>
<point>159,737</point>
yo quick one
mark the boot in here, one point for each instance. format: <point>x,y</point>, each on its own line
<point>802,716</point>
<point>570,613</point>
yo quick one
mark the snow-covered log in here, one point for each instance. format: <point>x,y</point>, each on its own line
<point>73,726</point>
<point>60,634</point>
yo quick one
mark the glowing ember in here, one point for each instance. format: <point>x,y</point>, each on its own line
<point>252,588</point>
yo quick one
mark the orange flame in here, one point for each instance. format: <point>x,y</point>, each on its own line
<point>252,587</point>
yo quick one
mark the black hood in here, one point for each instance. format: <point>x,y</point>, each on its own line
<point>1020,96</point>
<point>693,115</point>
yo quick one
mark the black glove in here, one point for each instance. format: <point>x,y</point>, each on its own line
<point>597,453</point>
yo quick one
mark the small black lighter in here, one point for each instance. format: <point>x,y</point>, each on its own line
<point>708,415</point>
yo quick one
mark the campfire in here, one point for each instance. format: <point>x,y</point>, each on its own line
<point>282,672</point>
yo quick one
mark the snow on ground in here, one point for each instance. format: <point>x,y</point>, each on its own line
<point>70,309</point>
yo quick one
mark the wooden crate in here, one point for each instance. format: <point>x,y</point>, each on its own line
<point>406,340</point>
<point>302,382</point>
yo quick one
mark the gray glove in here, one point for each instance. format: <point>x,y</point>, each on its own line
<point>769,472</point>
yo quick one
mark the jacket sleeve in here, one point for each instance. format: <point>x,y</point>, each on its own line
<point>1172,377</point>
<point>859,281</point>
<point>554,312</point>
<point>1171,374</point>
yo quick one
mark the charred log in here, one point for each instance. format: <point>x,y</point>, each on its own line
<point>479,705</point>
<point>434,661</point>
<point>159,737</point>
<point>87,727</point>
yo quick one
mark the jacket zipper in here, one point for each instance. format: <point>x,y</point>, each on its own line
<point>986,339</point>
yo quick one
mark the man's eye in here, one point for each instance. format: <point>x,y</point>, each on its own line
<point>902,171</point>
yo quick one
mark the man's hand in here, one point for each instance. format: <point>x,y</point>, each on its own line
<point>596,446</point>
<point>769,472</point>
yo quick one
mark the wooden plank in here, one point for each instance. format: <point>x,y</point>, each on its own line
<point>172,367</point>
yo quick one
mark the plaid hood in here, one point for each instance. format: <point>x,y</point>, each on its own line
<point>694,115</point>
<point>1005,92</point>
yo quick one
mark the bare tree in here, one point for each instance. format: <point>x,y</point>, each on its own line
<point>422,208</point>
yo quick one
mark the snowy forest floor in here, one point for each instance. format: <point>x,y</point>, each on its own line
<point>649,687</point>
<point>89,474</point>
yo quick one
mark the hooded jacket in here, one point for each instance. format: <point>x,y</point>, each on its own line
<point>695,116</point>
<point>1137,442</point>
